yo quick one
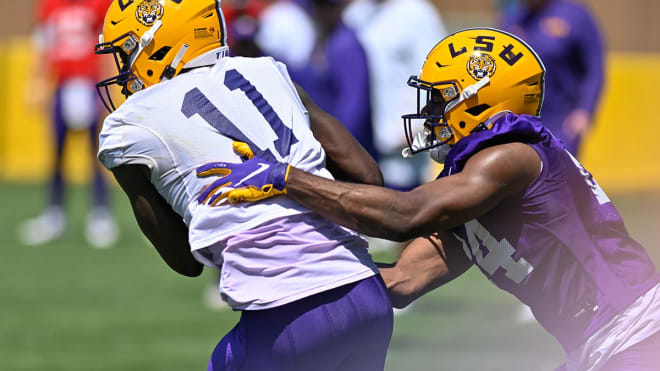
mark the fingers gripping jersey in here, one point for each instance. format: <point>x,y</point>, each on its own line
<point>176,126</point>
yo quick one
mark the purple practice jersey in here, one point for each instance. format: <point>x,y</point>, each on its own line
<point>562,247</point>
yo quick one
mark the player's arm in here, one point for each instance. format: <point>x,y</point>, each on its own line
<point>425,264</point>
<point>488,177</point>
<point>162,226</point>
<point>346,159</point>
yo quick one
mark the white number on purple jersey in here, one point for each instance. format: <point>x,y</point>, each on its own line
<point>500,253</point>
<point>589,179</point>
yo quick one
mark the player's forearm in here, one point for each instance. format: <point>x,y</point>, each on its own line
<point>425,264</point>
<point>372,210</point>
<point>169,236</point>
<point>346,159</point>
<point>404,286</point>
<point>159,223</point>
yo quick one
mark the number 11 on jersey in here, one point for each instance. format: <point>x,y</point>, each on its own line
<point>195,102</point>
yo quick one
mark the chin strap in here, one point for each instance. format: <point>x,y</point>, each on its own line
<point>420,141</point>
<point>146,39</point>
<point>491,120</point>
<point>206,59</point>
<point>148,36</point>
<point>170,70</point>
<point>439,154</point>
<point>468,93</point>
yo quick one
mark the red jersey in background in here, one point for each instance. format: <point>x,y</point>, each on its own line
<point>67,33</point>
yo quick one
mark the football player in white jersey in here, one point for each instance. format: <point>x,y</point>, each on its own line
<point>310,295</point>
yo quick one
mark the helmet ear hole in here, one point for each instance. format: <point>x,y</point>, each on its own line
<point>477,110</point>
<point>160,54</point>
<point>462,124</point>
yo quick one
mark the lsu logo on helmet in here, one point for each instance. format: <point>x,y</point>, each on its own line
<point>148,12</point>
<point>481,65</point>
<point>468,79</point>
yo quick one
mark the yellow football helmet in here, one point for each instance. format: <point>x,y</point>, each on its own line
<point>468,80</point>
<point>154,40</point>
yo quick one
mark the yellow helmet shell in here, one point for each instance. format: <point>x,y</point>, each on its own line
<point>515,71</point>
<point>172,23</point>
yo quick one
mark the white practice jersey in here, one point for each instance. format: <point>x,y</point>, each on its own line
<point>176,126</point>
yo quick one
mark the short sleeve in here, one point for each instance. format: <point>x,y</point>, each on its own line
<point>126,144</point>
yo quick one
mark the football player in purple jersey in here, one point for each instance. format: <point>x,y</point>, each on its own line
<point>511,200</point>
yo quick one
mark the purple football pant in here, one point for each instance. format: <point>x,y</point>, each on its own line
<point>644,356</point>
<point>347,328</point>
<point>61,130</point>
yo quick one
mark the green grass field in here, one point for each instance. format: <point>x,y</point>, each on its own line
<point>66,306</point>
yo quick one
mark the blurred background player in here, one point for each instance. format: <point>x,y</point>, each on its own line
<point>287,32</point>
<point>64,39</point>
<point>337,75</point>
<point>325,57</point>
<point>568,41</point>
<point>389,32</point>
<point>242,17</point>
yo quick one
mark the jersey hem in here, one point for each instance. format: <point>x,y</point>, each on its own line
<point>370,272</point>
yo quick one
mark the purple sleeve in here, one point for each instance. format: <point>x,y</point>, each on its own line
<point>348,67</point>
<point>590,48</point>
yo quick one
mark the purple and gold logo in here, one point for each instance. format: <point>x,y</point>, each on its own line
<point>481,65</point>
<point>149,11</point>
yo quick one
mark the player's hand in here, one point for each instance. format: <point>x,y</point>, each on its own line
<point>577,124</point>
<point>253,180</point>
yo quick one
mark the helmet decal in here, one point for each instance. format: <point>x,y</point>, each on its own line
<point>149,11</point>
<point>481,65</point>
